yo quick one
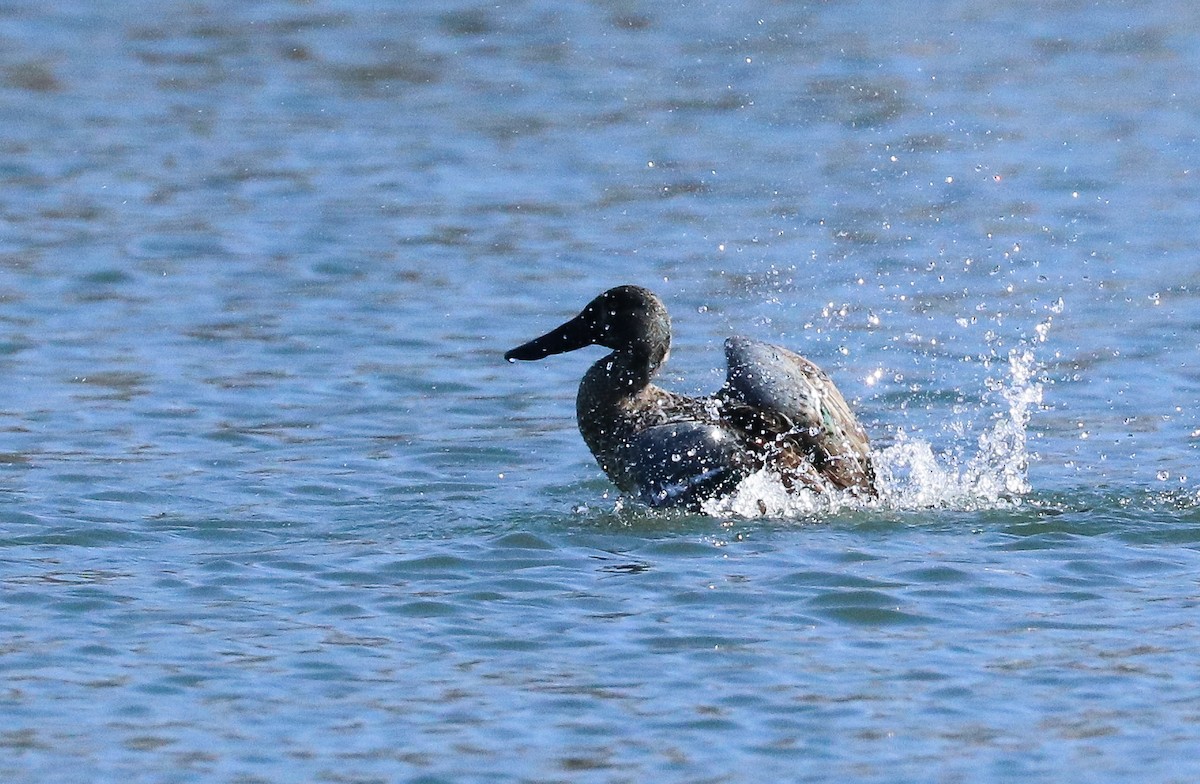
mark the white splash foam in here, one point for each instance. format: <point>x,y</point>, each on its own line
<point>763,494</point>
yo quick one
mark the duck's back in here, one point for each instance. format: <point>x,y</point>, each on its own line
<point>800,409</point>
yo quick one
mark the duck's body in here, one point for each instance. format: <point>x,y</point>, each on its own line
<point>776,410</point>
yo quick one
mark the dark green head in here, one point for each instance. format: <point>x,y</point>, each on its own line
<point>627,319</point>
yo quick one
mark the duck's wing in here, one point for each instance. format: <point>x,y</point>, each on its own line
<point>799,407</point>
<point>679,464</point>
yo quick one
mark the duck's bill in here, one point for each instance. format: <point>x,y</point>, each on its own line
<point>575,334</point>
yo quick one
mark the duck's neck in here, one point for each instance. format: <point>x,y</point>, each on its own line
<point>607,407</point>
<point>617,377</point>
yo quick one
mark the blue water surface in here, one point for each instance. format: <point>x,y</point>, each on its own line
<point>273,508</point>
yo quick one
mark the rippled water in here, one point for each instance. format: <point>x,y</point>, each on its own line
<point>273,508</point>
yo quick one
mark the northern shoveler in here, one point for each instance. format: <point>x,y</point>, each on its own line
<point>776,410</point>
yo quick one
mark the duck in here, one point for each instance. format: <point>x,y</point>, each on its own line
<point>776,411</point>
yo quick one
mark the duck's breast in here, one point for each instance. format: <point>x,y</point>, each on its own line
<point>681,464</point>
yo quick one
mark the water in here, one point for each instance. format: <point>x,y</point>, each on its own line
<point>273,508</point>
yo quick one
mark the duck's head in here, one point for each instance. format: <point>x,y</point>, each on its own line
<point>626,319</point>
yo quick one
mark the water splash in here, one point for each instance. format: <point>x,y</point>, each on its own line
<point>912,475</point>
